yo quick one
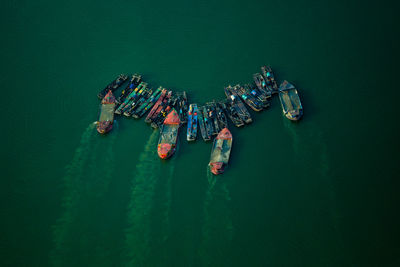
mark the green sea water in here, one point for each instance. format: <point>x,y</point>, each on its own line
<point>320,192</point>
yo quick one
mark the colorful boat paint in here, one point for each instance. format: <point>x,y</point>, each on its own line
<point>221,151</point>
<point>106,120</point>
<point>169,135</point>
<point>191,134</point>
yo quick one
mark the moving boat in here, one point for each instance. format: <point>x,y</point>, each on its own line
<point>191,134</point>
<point>290,101</point>
<point>106,120</point>
<point>221,151</point>
<point>135,80</point>
<point>114,85</point>
<point>269,78</point>
<point>168,135</point>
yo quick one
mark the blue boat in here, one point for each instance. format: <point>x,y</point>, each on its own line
<point>192,123</point>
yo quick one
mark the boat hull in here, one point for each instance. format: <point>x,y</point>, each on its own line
<point>104,127</point>
<point>168,135</point>
<point>220,152</point>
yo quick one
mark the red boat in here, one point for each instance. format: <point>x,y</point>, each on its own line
<point>169,135</point>
<point>156,105</point>
<point>105,123</point>
<point>220,152</point>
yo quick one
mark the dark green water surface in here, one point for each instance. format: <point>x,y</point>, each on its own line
<point>321,192</point>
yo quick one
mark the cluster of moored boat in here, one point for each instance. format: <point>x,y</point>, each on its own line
<point>169,110</point>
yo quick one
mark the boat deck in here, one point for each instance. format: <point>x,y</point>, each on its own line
<point>107,112</point>
<point>221,151</point>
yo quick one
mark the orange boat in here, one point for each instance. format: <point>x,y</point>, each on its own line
<point>220,152</point>
<point>105,123</point>
<point>169,135</point>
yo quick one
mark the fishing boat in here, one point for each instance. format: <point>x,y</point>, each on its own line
<point>203,131</point>
<point>290,101</point>
<point>207,122</point>
<point>133,100</point>
<point>140,111</point>
<point>156,106</point>
<point>127,101</point>
<point>233,114</point>
<point>182,107</point>
<point>242,111</point>
<point>114,85</point>
<point>164,104</point>
<point>133,83</point>
<point>221,117</point>
<point>262,85</point>
<point>106,120</point>
<point>212,115</point>
<point>221,151</point>
<point>249,89</point>
<point>269,78</point>
<point>168,135</point>
<point>191,134</point>
<point>254,103</point>
<point>159,119</point>
<point>139,101</point>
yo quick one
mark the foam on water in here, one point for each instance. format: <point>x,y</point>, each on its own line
<point>85,181</point>
<point>217,220</point>
<point>138,230</point>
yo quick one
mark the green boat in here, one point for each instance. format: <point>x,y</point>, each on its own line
<point>142,109</point>
<point>290,101</point>
<point>129,98</point>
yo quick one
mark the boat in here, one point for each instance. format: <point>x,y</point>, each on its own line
<point>203,131</point>
<point>169,135</point>
<point>191,134</point>
<point>156,105</point>
<point>253,102</point>
<point>114,85</point>
<point>290,101</point>
<point>221,117</point>
<point>140,111</point>
<point>212,116</point>
<point>125,104</point>
<point>243,113</point>
<point>249,89</point>
<point>269,78</point>
<point>106,120</point>
<point>233,114</point>
<point>262,85</point>
<point>165,102</point>
<point>182,107</point>
<point>221,151</point>
<point>139,101</point>
<point>207,122</point>
<point>159,119</point>
<point>133,83</point>
<point>136,96</point>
